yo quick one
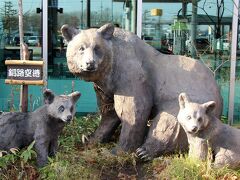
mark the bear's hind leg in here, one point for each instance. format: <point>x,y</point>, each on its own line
<point>109,123</point>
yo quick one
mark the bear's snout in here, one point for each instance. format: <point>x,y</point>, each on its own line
<point>194,129</point>
<point>90,65</point>
<point>69,118</point>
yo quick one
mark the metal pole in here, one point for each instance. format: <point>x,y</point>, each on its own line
<point>133,15</point>
<point>82,15</point>
<point>88,13</point>
<point>194,29</point>
<point>112,11</point>
<point>184,35</point>
<point>128,10</point>
<point>101,13</point>
<point>45,41</point>
<point>139,18</point>
<point>233,61</point>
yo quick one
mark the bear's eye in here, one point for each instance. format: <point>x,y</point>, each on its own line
<point>97,50</point>
<point>71,109</point>
<point>81,48</point>
<point>188,117</point>
<point>61,108</point>
<point>199,120</point>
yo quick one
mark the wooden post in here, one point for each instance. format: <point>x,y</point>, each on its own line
<point>24,55</point>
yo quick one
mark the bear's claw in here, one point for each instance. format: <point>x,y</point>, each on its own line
<point>143,154</point>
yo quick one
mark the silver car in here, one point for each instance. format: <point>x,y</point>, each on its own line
<point>33,41</point>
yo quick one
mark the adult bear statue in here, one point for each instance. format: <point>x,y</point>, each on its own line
<point>134,84</point>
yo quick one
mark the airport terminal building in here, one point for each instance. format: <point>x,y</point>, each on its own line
<point>202,29</point>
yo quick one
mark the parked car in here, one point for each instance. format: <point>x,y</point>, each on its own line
<point>33,40</point>
<point>15,41</point>
<point>61,42</point>
<point>202,44</point>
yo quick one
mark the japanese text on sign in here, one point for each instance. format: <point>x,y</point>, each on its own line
<point>21,72</point>
<point>24,73</point>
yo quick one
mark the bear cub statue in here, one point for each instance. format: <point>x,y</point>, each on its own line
<point>18,129</point>
<point>200,124</point>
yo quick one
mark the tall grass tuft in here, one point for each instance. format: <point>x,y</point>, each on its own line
<point>186,168</point>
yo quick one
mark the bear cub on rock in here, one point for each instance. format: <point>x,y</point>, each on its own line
<point>200,124</point>
<point>43,126</point>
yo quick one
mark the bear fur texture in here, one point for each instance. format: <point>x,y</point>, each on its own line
<point>135,83</point>
<point>44,125</point>
<point>200,124</point>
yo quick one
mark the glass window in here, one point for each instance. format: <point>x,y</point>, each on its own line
<point>75,13</point>
<point>9,48</point>
<point>104,11</point>
<point>172,32</point>
<point>9,30</point>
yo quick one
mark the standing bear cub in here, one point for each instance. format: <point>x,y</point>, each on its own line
<point>200,123</point>
<point>135,83</point>
<point>44,125</point>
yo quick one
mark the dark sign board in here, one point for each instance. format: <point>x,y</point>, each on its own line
<point>24,72</point>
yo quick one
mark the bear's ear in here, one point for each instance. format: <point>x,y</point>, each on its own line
<point>75,96</point>
<point>106,31</point>
<point>69,32</point>
<point>48,96</point>
<point>183,99</point>
<point>209,106</point>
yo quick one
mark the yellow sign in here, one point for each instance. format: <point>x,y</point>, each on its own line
<point>156,12</point>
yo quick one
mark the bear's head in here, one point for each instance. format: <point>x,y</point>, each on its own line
<point>194,117</point>
<point>61,107</point>
<point>89,52</point>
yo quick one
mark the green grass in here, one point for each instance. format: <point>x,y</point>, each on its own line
<point>182,168</point>
<point>77,160</point>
